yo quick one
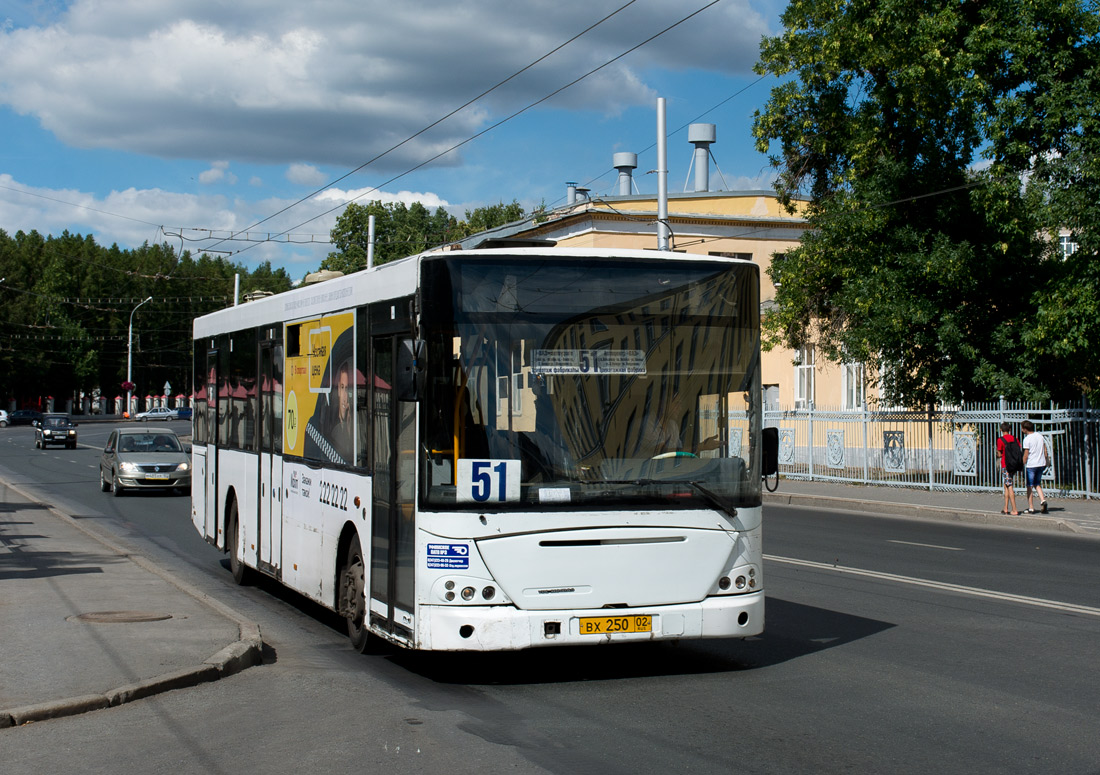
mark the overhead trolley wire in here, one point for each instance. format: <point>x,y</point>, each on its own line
<point>430,126</point>
<point>488,129</point>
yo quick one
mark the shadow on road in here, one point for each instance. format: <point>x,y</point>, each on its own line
<point>793,630</point>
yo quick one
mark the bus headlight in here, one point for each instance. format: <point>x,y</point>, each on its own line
<point>738,580</point>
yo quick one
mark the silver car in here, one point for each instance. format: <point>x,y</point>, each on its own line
<point>157,413</point>
<point>145,459</point>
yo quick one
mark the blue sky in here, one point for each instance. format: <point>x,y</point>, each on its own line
<point>136,121</point>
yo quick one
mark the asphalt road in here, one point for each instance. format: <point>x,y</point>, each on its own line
<point>891,646</point>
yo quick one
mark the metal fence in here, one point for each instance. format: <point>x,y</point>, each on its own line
<point>943,448</point>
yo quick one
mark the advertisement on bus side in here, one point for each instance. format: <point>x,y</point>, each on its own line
<point>320,389</point>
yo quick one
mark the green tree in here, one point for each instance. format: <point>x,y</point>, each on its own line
<point>491,216</point>
<point>65,305</point>
<point>937,272</point>
<point>399,231</point>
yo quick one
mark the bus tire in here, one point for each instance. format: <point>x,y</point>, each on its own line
<point>242,574</point>
<point>352,603</point>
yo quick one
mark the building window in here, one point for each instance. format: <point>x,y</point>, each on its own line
<point>1069,247</point>
<point>853,385</point>
<point>804,377</point>
<point>742,256</point>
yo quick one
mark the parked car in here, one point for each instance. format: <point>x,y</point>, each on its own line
<point>183,413</point>
<point>24,417</point>
<point>3,419</point>
<point>157,413</point>
<point>55,429</point>
<point>145,459</point>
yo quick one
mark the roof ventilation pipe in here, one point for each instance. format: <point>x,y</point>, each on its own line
<point>624,163</point>
<point>570,193</point>
<point>701,136</point>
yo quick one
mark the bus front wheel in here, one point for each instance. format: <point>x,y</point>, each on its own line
<point>353,586</point>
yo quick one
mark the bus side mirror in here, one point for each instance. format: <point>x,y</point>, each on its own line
<point>770,449</point>
<point>410,370</point>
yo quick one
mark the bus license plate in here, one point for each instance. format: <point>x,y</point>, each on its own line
<point>610,625</point>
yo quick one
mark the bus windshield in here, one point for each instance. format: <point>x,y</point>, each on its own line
<point>572,383</point>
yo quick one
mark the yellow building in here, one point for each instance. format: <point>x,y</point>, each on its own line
<point>746,224</point>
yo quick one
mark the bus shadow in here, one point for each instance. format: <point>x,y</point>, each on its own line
<point>792,630</point>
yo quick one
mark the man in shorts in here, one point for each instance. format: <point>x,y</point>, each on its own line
<point>1035,462</point>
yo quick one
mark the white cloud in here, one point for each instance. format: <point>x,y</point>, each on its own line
<point>364,195</point>
<point>336,83</point>
<point>217,173</point>
<point>305,175</point>
<point>132,216</point>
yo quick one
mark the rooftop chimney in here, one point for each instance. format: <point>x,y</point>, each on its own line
<point>624,163</point>
<point>570,193</point>
<point>701,136</point>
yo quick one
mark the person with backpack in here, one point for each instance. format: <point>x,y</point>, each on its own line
<point>1035,462</point>
<point>1012,463</point>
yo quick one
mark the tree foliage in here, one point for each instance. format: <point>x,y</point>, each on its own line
<point>66,306</point>
<point>401,230</point>
<point>942,274</point>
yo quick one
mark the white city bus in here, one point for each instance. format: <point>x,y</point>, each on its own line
<point>494,449</point>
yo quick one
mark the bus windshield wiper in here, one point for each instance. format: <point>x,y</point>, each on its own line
<point>708,495</point>
<point>713,499</point>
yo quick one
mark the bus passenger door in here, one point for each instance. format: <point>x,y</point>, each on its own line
<point>393,524</point>
<point>212,430</point>
<point>271,459</point>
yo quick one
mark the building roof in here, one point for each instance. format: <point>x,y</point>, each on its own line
<point>714,213</point>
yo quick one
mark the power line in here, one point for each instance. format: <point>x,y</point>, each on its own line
<point>437,122</point>
<point>83,207</point>
<point>676,131</point>
<point>504,120</point>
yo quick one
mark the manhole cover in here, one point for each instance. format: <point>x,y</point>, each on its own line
<point>120,617</point>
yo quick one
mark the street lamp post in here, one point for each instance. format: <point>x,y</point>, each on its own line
<point>130,357</point>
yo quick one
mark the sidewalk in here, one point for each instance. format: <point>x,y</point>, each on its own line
<point>1070,515</point>
<point>86,624</point>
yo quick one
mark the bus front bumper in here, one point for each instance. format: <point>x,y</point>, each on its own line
<point>503,628</point>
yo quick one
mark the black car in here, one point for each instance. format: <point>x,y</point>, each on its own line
<point>55,429</point>
<point>24,417</point>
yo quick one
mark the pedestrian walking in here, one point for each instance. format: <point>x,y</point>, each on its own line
<point>1035,462</point>
<point>1008,450</point>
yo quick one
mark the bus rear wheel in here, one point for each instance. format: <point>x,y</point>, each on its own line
<point>353,587</point>
<point>241,573</point>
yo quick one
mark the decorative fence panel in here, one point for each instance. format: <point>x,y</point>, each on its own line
<point>944,448</point>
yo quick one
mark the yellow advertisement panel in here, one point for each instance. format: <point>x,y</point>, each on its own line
<point>320,389</point>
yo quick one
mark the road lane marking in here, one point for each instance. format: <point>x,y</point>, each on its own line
<point>929,546</point>
<point>1038,602</point>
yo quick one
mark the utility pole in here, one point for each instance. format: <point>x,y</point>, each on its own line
<point>130,359</point>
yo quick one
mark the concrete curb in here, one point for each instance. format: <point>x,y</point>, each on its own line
<point>240,655</point>
<point>969,516</point>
